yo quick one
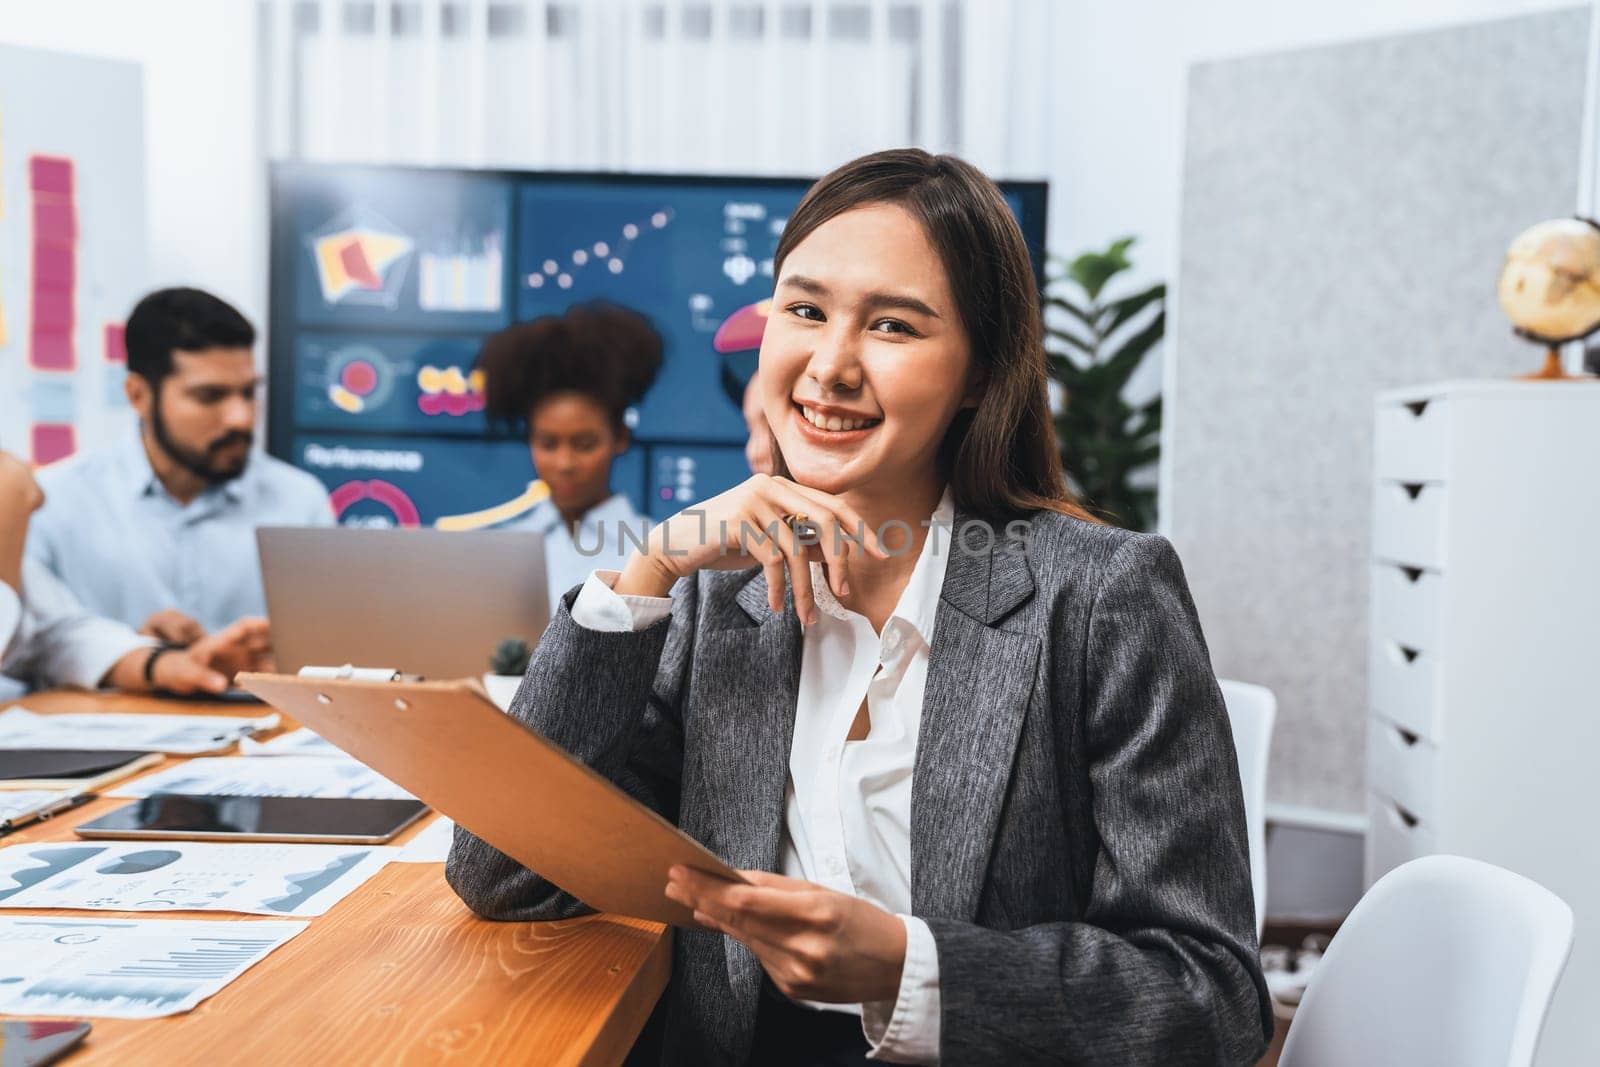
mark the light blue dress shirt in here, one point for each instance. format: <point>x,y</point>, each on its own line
<point>48,639</point>
<point>125,548</point>
<point>601,543</point>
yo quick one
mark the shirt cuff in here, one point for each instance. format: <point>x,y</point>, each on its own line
<point>907,1031</point>
<point>599,607</point>
<point>95,647</point>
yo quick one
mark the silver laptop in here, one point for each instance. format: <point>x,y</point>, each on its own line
<point>428,602</point>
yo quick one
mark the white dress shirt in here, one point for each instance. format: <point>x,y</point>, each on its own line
<point>847,822</point>
<point>600,545</point>
<point>115,537</point>
<point>49,639</point>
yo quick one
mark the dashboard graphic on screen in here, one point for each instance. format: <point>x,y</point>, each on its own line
<point>386,280</point>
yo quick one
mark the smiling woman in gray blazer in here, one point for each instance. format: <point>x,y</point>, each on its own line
<point>963,739</point>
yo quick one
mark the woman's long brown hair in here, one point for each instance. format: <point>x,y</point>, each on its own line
<point>1000,457</point>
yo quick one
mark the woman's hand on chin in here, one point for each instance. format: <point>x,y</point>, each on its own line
<point>746,525</point>
<point>815,943</point>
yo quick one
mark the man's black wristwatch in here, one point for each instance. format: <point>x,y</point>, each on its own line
<point>150,661</point>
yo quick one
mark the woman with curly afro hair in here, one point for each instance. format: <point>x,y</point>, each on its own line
<point>568,380</point>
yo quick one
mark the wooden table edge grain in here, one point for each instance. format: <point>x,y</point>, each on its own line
<point>398,972</point>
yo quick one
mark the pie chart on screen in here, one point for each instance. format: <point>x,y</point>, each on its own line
<point>742,330</point>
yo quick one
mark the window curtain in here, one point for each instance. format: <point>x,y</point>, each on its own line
<point>680,86</point>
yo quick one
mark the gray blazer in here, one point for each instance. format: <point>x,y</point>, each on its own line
<point>1078,841</point>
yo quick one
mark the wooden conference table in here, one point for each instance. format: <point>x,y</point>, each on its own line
<point>398,972</point>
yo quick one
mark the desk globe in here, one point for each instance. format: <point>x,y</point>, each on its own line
<point>1550,286</point>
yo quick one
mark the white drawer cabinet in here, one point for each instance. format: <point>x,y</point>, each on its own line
<point>1404,683</point>
<point>1483,709</point>
<point>1411,439</point>
<point>1400,766</point>
<point>1397,835</point>
<point>1408,523</point>
<point>1406,598</point>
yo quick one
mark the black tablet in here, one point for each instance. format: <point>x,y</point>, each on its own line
<point>313,820</point>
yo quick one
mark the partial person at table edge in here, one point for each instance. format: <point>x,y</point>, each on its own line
<point>48,639</point>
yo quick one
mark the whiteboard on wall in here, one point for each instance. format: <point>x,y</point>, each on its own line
<point>72,247</point>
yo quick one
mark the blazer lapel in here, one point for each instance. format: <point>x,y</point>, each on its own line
<point>980,679</point>
<point>757,658</point>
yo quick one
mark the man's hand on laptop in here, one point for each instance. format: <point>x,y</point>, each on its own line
<point>245,645</point>
<point>169,670</point>
<point>207,666</point>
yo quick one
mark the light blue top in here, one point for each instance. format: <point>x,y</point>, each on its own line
<point>125,548</point>
<point>601,543</point>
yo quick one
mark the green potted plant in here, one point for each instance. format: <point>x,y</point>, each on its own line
<point>506,667</point>
<point>1095,342</point>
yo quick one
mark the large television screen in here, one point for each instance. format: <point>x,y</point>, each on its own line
<point>385,281</point>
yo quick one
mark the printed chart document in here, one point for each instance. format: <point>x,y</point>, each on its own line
<point>267,776</point>
<point>256,879</point>
<point>301,742</point>
<point>125,968</point>
<point>432,845</point>
<point>178,735</point>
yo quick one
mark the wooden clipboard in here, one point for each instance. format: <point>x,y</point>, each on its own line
<point>448,744</point>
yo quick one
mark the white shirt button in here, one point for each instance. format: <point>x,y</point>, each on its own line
<point>835,865</point>
<point>833,753</point>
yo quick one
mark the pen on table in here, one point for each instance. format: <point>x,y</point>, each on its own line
<point>50,811</point>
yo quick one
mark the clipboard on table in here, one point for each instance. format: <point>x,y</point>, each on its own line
<point>449,745</point>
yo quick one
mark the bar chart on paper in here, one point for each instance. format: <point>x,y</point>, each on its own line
<point>133,969</point>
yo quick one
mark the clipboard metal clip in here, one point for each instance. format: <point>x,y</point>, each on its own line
<point>350,672</point>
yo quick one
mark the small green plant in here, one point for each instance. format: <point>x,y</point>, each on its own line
<point>511,656</point>
<point>1093,349</point>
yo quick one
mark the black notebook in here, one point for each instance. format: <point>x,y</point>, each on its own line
<point>69,768</point>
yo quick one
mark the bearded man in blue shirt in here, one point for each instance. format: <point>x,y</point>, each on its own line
<point>157,530</point>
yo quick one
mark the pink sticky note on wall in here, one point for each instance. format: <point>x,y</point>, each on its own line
<point>49,350</point>
<point>52,310</point>
<point>50,174</point>
<point>116,341</point>
<point>52,441</point>
<point>54,219</point>
<point>53,266</point>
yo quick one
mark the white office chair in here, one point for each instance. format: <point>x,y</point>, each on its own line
<point>1252,710</point>
<point>1446,960</point>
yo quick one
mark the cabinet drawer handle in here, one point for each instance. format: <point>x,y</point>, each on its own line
<point>1417,407</point>
<point>1405,652</point>
<point>1407,820</point>
<point>1413,575</point>
<point>1413,489</point>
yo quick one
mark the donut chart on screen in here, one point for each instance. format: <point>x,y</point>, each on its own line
<point>380,492</point>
